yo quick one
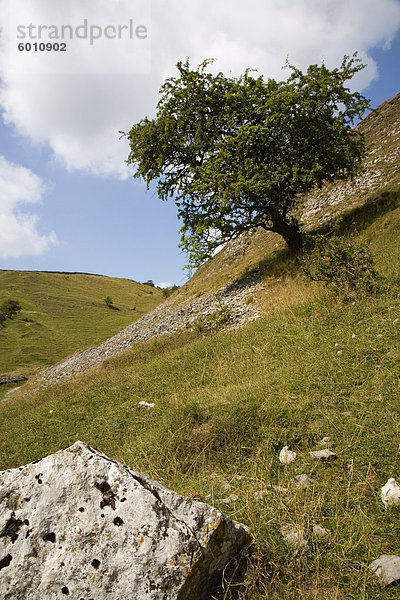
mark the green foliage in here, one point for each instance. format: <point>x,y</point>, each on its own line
<point>149,282</point>
<point>344,264</point>
<point>236,154</point>
<point>108,301</point>
<point>166,292</point>
<point>10,307</point>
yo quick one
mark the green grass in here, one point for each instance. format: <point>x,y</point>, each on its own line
<point>63,313</point>
<point>224,407</point>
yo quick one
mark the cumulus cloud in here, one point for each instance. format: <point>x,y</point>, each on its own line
<point>164,284</point>
<point>19,234</point>
<point>79,116</point>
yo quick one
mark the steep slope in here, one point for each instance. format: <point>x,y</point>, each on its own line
<point>253,275</point>
<point>313,372</point>
<point>380,175</point>
<point>219,408</point>
<point>63,313</point>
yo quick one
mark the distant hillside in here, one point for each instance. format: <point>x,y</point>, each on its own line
<point>62,313</point>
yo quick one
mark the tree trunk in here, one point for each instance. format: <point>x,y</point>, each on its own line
<point>289,230</point>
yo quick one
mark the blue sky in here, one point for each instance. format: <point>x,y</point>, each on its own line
<point>67,201</point>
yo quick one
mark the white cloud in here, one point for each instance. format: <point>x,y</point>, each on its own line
<point>164,284</point>
<point>19,234</point>
<point>79,116</point>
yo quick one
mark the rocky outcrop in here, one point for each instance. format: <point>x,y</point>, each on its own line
<point>79,524</point>
<point>380,172</point>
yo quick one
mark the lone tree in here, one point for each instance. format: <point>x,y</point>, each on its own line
<point>10,307</point>
<point>236,154</point>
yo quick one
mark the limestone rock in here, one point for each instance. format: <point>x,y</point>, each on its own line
<point>260,494</point>
<point>302,481</point>
<point>325,440</point>
<point>390,492</point>
<point>80,524</point>
<point>386,568</point>
<point>145,404</point>
<point>323,454</point>
<point>287,456</point>
<point>321,532</point>
<point>294,536</point>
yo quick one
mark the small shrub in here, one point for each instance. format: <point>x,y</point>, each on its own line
<point>343,264</point>
<point>10,307</point>
<point>213,322</point>
<point>108,301</point>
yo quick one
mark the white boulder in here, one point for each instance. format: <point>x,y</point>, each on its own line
<point>390,492</point>
<point>80,524</point>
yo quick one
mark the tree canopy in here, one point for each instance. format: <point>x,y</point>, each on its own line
<point>237,153</point>
<point>10,307</point>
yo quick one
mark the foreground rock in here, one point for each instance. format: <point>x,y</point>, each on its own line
<point>79,524</point>
<point>387,569</point>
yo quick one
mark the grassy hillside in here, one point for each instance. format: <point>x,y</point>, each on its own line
<point>63,313</point>
<point>226,404</point>
<point>314,366</point>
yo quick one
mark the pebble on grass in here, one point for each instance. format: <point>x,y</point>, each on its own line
<point>390,492</point>
<point>287,456</point>
<point>294,536</point>
<point>322,454</point>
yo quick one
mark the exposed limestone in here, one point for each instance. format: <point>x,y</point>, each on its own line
<point>387,569</point>
<point>390,492</point>
<point>79,524</point>
<point>171,317</point>
<point>322,454</point>
<point>287,456</point>
<point>294,536</point>
<point>380,168</point>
